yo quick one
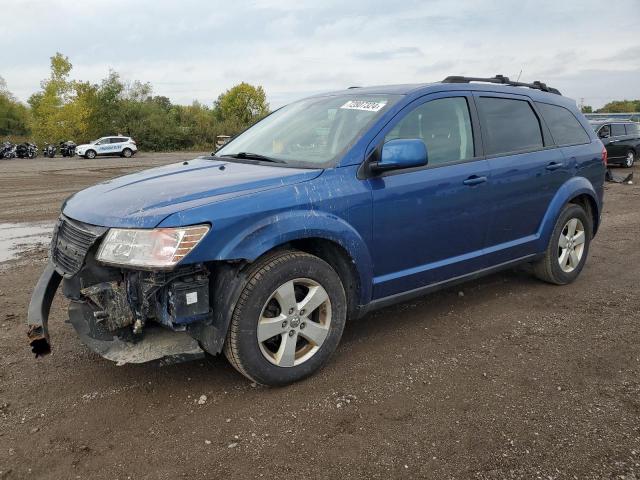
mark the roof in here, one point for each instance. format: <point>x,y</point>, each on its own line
<point>419,89</point>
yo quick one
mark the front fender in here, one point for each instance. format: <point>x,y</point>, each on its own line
<point>285,227</point>
<point>571,189</point>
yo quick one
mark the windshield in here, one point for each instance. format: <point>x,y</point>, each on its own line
<point>311,133</point>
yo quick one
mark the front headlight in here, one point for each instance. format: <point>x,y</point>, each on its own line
<point>157,248</point>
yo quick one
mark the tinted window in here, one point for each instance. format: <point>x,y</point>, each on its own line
<point>633,128</point>
<point>617,130</point>
<point>116,140</point>
<point>508,125</point>
<point>565,128</point>
<point>443,125</point>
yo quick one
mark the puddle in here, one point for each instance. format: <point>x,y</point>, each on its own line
<point>15,238</point>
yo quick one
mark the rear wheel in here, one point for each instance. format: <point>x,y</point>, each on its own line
<point>629,159</point>
<point>568,247</point>
<point>90,154</point>
<point>127,153</point>
<point>288,320</point>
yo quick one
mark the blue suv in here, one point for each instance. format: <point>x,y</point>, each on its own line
<point>326,209</point>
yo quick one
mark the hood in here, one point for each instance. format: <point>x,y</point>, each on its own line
<point>144,199</point>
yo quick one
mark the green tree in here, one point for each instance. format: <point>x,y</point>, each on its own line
<point>587,109</point>
<point>241,106</point>
<point>54,114</point>
<point>14,116</point>
<point>621,106</point>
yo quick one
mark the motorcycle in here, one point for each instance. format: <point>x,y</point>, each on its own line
<point>27,150</point>
<point>8,150</point>
<point>68,148</point>
<point>49,150</point>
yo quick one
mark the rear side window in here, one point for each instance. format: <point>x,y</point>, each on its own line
<point>444,125</point>
<point>617,130</point>
<point>564,126</point>
<point>633,128</point>
<point>508,126</point>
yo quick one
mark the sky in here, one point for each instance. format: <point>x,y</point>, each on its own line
<point>196,49</point>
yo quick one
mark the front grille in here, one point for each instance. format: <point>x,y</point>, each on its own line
<point>70,244</point>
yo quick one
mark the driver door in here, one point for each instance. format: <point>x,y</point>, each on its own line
<point>430,223</point>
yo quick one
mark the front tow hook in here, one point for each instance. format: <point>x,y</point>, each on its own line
<point>39,307</point>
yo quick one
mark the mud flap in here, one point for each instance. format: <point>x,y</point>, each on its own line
<point>39,307</point>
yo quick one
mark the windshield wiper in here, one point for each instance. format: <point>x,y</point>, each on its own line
<point>253,156</point>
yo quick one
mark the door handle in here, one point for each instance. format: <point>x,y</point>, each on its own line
<point>554,166</point>
<point>474,180</point>
<point>613,141</point>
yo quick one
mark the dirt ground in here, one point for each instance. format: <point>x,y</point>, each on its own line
<point>504,377</point>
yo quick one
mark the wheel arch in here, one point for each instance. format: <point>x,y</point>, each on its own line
<point>576,190</point>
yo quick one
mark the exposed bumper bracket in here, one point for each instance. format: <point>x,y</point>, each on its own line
<point>39,307</point>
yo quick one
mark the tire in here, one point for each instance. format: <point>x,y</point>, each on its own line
<point>90,154</point>
<point>629,159</point>
<point>262,309</point>
<point>559,266</point>
<point>127,153</point>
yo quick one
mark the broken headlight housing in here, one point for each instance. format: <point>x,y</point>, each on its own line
<point>149,248</point>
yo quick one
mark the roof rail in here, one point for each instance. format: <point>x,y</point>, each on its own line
<point>501,79</point>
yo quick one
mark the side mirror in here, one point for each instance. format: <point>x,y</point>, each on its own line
<point>401,153</point>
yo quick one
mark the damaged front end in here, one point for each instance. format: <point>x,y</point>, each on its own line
<point>126,315</point>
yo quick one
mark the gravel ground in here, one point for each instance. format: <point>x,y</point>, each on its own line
<point>504,377</point>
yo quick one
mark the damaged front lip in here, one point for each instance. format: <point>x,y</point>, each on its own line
<point>39,307</point>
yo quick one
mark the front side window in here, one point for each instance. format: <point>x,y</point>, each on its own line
<point>508,126</point>
<point>444,125</point>
<point>310,133</point>
<point>564,126</point>
<point>617,130</point>
<point>604,132</point>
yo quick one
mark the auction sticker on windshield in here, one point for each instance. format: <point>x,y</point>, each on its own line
<point>363,105</point>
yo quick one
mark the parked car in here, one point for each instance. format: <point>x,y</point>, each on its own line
<point>116,145</point>
<point>621,139</point>
<point>326,209</point>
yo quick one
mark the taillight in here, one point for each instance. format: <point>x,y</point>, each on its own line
<point>604,156</point>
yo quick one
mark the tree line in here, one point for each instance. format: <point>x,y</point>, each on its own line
<point>65,109</point>
<point>617,106</point>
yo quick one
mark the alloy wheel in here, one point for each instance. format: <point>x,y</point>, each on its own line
<point>630,158</point>
<point>294,322</point>
<point>571,245</point>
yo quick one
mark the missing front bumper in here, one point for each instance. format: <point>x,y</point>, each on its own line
<point>170,342</point>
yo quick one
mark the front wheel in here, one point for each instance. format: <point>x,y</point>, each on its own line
<point>288,319</point>
<point>568,247</point>
<point>629,159</point>
<point>90,154</point>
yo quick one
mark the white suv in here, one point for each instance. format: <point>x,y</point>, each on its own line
<point>123,146</point>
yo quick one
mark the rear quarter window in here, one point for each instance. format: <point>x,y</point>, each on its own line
<point>565,127</point>
<point>633,128</point>
<point>508,126</point>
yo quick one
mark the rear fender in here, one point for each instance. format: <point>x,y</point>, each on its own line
<point>571,189</point>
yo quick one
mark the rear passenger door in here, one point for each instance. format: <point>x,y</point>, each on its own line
<point>526,172</point>
<point>616,144</point>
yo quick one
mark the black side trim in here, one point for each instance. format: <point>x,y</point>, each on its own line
<point>421,291</point>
